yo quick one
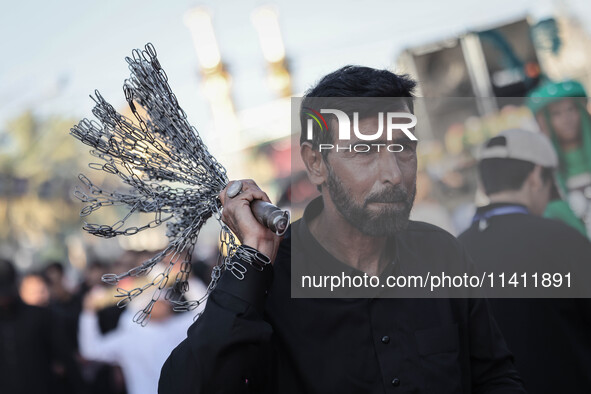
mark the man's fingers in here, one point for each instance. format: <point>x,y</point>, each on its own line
<point>250,191</point>
<point>238,216</point>
<point>257,194</point>
<point>252,195</point>
<point>249,182</point>
<point>223,196</point>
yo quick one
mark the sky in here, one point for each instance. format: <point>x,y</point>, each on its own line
<point>55,53</point>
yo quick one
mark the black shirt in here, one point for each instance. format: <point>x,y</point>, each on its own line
<point>550,338</point>
<point>251,342</point>
<point>31,345</point>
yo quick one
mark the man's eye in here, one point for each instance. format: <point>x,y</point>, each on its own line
<point>411,146</point>
<point>363,150</point>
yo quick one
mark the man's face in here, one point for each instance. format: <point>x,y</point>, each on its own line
<point>566,120</point>
<point>374,191</point>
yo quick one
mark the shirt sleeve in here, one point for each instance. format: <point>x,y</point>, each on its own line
<point>92,344</point>
<point>228,349</point>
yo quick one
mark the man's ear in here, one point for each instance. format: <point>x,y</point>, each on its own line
<point>315,166</point>
<point>534,179</point>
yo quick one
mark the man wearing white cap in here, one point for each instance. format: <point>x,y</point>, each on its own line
<point>548,337</point>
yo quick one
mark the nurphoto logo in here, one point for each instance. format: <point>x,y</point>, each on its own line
<point>344,129</point>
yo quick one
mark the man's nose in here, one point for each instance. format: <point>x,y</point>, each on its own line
<point>389,168</point>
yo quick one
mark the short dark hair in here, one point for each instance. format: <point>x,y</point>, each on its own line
<point>354,81</point>
<point>55,265</point>
<point>500,174</point>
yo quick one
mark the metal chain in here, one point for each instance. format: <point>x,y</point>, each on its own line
<point>169,173</point>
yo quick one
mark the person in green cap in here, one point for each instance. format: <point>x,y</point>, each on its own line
<point>560,110</point>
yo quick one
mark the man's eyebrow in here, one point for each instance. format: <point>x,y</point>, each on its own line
<point>362,142</point>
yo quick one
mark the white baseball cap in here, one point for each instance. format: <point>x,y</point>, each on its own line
<point>523,145</point>
<point>533,147</point>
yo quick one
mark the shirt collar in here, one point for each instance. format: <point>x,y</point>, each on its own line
<point>490,207</point>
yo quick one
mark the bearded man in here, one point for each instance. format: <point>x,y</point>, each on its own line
<point>254,337</point>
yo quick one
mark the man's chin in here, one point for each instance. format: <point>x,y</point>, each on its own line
<point>389,209</point>
<point>387,206</point>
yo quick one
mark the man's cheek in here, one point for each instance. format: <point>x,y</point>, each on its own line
<point>408,168</point>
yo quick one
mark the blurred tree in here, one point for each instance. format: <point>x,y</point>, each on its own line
<point>39,165</point>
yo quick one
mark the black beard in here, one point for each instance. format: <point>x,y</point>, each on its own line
<point>387,222</point>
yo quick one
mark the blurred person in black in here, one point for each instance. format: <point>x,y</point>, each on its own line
<point>65,310</point>
<point>55,276</point>
<point>33,355</point>
<point>254,338</point>
<point>102,378</point>
<point>550,338</point>
<point>61,300</point>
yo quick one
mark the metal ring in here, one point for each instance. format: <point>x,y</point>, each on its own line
<point>234,189</point>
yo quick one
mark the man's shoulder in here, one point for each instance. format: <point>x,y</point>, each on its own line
<point>537,227</point>
<point>423,229</point>
<point>555,226</point>
<point>425,235</point>
<point>424,247</point>
<point>557,232</point>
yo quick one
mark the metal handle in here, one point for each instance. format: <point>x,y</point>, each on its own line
<point>277,220</point>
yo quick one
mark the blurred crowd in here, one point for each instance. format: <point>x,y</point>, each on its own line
<point>56,337</point>
<point>59,337</point>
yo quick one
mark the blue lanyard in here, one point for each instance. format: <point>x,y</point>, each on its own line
<point>504,210</point>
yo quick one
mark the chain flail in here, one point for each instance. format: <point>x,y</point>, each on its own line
<point>169,174</point>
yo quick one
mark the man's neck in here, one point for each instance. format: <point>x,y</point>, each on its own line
<point>346,243</point>
<point>508,198</point>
